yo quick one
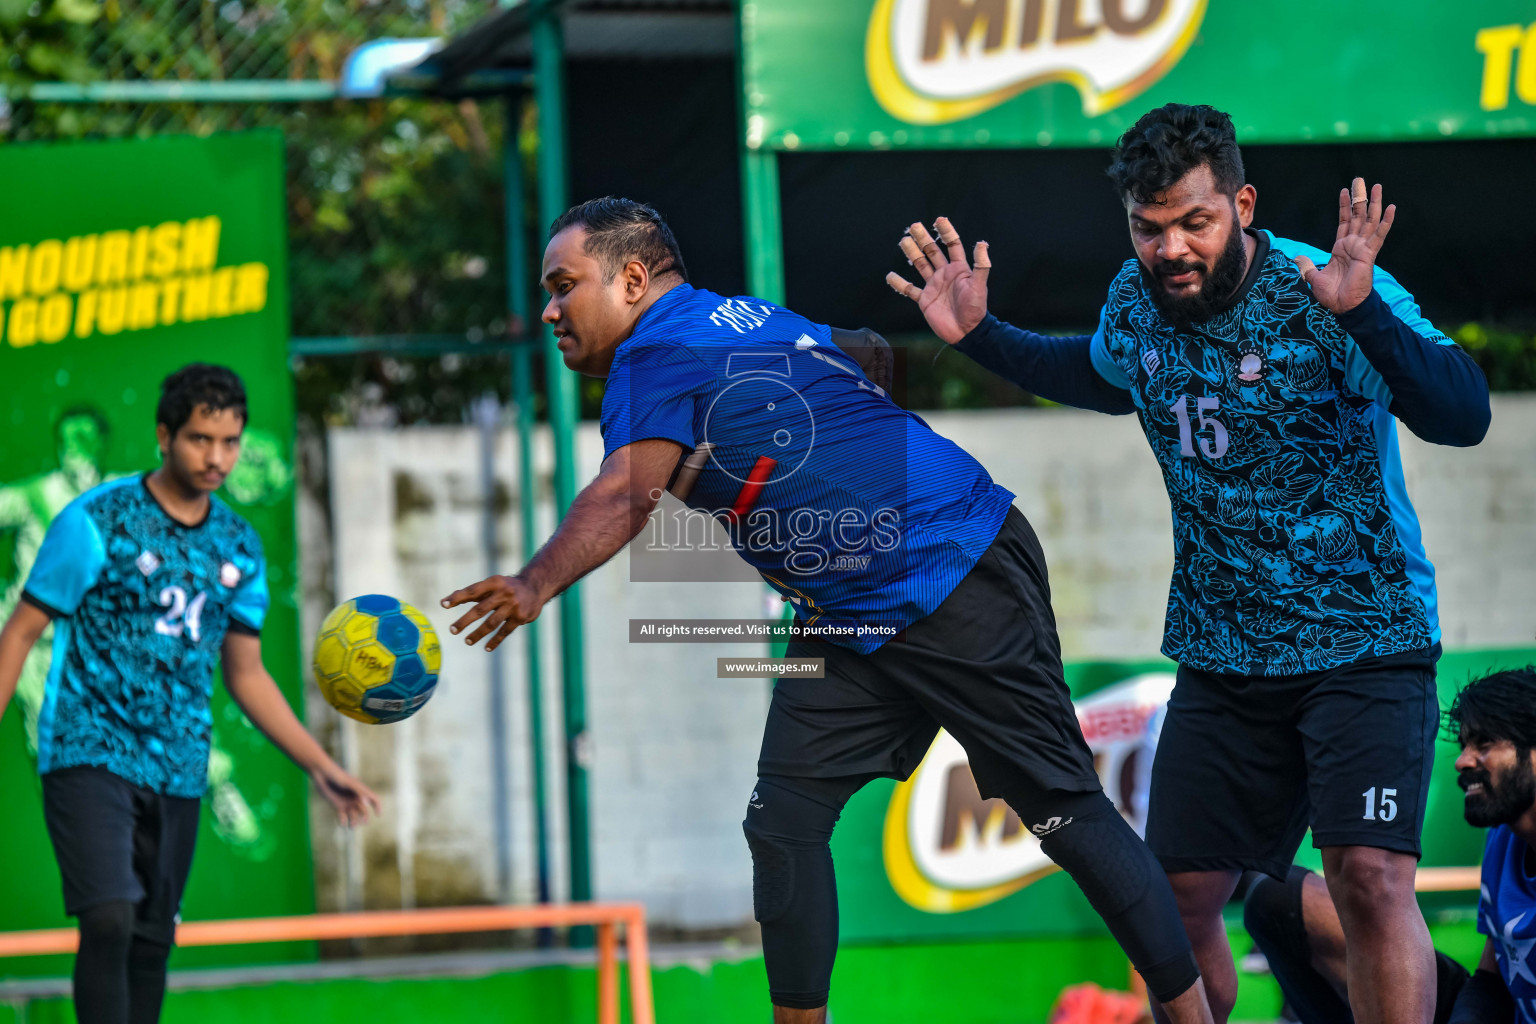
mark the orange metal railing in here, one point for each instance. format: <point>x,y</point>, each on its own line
<point>438,921</point>
<point>1449,880</point>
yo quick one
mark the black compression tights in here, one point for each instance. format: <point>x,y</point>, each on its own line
<point>119,976</point>
<point>794,894</point>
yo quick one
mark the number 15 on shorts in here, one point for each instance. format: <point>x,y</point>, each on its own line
<point>1386,810</point>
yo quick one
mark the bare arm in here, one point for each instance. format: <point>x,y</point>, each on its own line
<point>255,691</point>
<point>21,631</point>
<point>605,516</point>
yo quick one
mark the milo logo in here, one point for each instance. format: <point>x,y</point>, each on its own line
<point>933,61</point>
<point>946,849</point>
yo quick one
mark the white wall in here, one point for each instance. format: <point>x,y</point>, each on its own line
<point>673,748</point>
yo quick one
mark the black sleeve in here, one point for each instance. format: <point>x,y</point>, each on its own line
<point>48,610</point>
<point>1484,999</point>
<point>236,626</point>
<point>1058,369</point>
<point>1437,390</point>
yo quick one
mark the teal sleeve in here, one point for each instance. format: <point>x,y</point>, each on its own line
<point>68,563</point>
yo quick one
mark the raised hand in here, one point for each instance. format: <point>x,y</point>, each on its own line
<point>1348,278</point>
<point>953,297</point>
<point>505,602</point>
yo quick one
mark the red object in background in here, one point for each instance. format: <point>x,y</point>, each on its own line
<point>1090,1004</point>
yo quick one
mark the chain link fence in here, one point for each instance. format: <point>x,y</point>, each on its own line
<point>395,209</point>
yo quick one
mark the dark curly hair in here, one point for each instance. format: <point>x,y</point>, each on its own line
<point>1500,706</point>
<point>197,385</point>
<point>1168,143</point>
<point>620,230</point>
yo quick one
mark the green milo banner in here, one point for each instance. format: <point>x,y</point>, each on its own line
<point>1010,73</point>
<point>120,262</point>
<point>930,859</point>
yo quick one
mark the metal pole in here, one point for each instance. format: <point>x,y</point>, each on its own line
<point>522,396</point>
<point>759,180</point>
<point>549,85</point>
<point>760,204</point>
<point>488,417</point>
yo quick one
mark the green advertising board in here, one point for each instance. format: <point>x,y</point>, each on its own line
<point>876,74</point>
<point>119,262</point>
<point>928,859</point>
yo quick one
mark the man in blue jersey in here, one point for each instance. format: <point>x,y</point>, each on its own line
<point>927,588</point>
<point>1266,375</point>
<point>149,580</point>
<point>1297,927</point>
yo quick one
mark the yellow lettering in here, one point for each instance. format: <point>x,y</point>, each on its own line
<point>85,315</point>
<point>13,271</point>
<point>114,258</point>
<point>43,271</point>
<point>79,262</point>
<point>139,255</point>
<point>200,244</point>
<point>1497,45</point>
<point>23,323</point>
<point>53,323</point>
<point>962,18</point>
<point>165,249</point>
<point>141,305</point>
<point>194,298</point>
<point>1525,73</point>
<point>114,308</point>
<point>170,300</point>
<point>221,291</point>
<point>250,287</point>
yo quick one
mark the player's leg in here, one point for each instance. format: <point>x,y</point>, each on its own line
<point>1228,795</point>
<point>824,738</point>
<point>794,892</point>
<point>1391,960</point>
<point>1297,929</point>
<point>90,817</point>
<point>163,845</point>
<point>1370,730</point>
<point>987,666</point>
<point>1088,838</point>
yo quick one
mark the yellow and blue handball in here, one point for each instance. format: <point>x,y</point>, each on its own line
<point>376,659</point>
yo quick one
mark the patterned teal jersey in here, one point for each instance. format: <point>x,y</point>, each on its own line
<point>1295,546</point>
<point>141,604</point>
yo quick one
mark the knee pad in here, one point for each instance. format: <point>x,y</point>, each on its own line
<point>1088,839</point>
<point>794,893</point>
<point>773,875</point>
<point>107,926</point>
<point>1272,916</point>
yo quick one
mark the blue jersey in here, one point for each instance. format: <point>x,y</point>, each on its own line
<point>1506,913</point>
<point>140,604</point>
<point>851,508</point>
<point>1295,546</point>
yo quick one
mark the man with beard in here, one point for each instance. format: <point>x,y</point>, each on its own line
<point>922,596</point>
<point>1266,375</point>
<point>1297,927</point>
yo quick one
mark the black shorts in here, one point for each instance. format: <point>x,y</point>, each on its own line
<point>117,841</point>
<point>985,665</point>
<point>1245,764</point>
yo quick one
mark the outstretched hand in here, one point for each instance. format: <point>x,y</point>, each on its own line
<point>1348,278</point>
<point>953,297</point>
<point>505,602</point>
<point>355,803</point>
